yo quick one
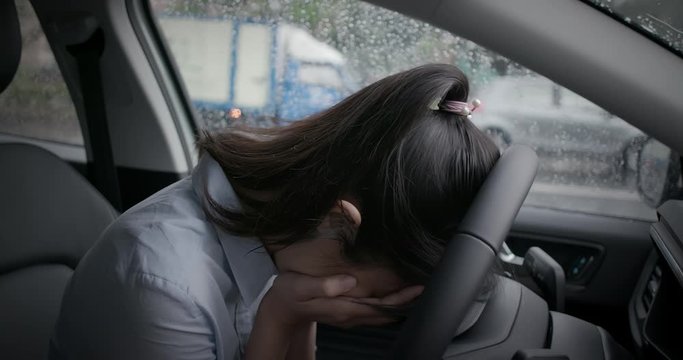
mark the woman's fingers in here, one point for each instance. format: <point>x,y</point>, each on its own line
<point>401,297</point>
<point>321,299</point>
<point>307,287</point>
<point>370,321</point>
<point>338,309</point>
<point>344,312</point>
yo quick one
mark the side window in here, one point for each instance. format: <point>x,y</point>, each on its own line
<point>271,63</point>
<point>37,104</point>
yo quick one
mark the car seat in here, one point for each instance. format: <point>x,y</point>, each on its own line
<point>49,217</point>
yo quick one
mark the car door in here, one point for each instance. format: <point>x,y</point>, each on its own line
<point>584,209</point>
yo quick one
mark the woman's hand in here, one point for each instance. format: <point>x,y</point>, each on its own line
<point>298,298</point>
<point>295,301</point>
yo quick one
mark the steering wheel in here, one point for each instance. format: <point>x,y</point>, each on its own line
<point>469,255</point>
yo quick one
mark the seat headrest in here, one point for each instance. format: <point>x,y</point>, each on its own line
<point>49,213</point>
<point>10,42</point>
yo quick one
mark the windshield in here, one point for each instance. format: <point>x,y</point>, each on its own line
<point>661,20</point>
<point>271,63</point>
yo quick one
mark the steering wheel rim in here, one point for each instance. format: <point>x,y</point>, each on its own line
<point>469,255</point>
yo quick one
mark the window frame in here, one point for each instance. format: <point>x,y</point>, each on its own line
<point>163,65</point>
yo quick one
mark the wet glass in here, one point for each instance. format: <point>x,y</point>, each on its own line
<point>269,63</point>
<point>37,103</point>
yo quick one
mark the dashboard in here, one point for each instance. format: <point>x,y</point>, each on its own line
<point>656,307</point>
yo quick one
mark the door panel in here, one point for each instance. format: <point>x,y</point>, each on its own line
<point>619,247</point>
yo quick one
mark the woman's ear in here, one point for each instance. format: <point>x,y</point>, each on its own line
<point>352,212</point>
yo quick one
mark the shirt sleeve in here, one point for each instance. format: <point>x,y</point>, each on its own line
<point>148,317</point>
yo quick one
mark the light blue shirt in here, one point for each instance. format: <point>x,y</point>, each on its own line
<point>165,283</point>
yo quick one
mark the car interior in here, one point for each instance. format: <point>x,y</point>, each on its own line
<point>570,284</point>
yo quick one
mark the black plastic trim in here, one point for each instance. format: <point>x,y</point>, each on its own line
<point>626,245</point>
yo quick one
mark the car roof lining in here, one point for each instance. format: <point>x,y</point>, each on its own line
<point>601,59</point>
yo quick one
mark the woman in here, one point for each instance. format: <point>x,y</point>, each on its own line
<point>336,218</point>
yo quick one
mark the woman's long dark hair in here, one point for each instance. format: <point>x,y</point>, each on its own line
<point>412,168</point>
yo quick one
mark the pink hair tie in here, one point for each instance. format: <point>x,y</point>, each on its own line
<point>459,107</point>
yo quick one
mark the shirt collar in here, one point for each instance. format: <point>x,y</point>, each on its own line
<point>248,259</point>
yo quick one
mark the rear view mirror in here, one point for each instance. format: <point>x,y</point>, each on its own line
<point>659,173</point>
